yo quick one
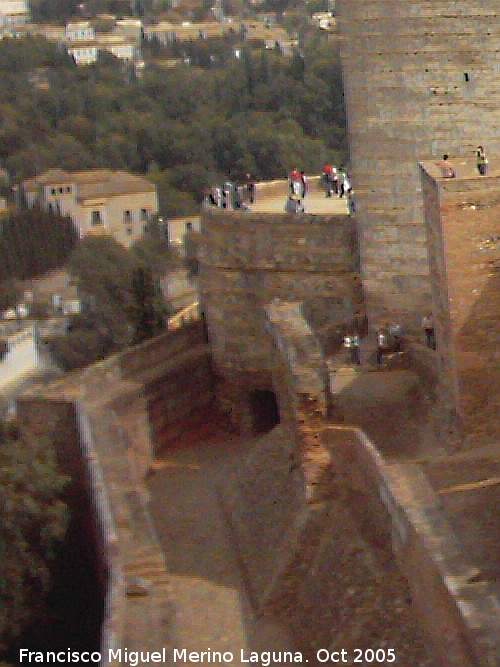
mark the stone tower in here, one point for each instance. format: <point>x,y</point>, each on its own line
<point>421,78</point>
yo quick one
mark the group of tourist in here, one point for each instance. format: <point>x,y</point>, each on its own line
<point>230,195</point>
<point>389,339</point>
<point>335,181</point>
<point>234,196</point>
<point>297,190</point>
<point>447,171</point>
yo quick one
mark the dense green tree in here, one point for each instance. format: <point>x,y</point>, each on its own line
<point>187,121</point>
<point>148,313</point>
<point>172,202</point>
<point>153,251</point>
<point>10,292</point>
<point>297,66</point>
<point>102,270</point>
<point>32,242</point>
<point>122,303</point>
<point>32,522</point>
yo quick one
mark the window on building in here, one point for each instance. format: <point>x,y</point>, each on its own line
<point>52,191</point>
<point>61,190</point>
<point>96,218</point>
<point>466,77</point>
<point>189,227</point>
<point>68,188</point>
<point>127,217</point>
<point>144,215</point>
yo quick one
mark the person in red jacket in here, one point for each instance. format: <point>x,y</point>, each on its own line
<point>295,182</point>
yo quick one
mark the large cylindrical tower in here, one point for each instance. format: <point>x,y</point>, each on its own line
<point>421,79</point>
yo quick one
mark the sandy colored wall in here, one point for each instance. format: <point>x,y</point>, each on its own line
<point>462,220</point>
<point>247,260</point>
<point>407,99</point>
<point>457,616</point>
<point>99,423</point>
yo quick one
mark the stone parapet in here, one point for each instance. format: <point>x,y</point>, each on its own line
<point>247,260</point>
<point>298,345</point>
<point>104,418</point>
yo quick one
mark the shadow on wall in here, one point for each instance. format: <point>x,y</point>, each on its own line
<point>479,363</point>
<point>265,411</point>
<point>330,318</point>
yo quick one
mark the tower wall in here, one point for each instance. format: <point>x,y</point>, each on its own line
<point>420,80</point>
<point>247,261</point>
<point>464,247</point>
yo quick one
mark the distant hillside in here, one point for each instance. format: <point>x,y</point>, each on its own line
<point>186,127</point>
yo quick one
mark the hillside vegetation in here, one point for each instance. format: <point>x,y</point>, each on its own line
<point>185,127</point>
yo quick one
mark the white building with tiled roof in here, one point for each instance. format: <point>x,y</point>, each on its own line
<point>84,45</point>
<point>114,202</point>
<point>86,51</point>
<point>168,33</point>
<point>79,30</point>
<point>13,14</point>
<point>52,33</point>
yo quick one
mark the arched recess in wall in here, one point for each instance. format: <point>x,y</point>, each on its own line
<point>265,410</point>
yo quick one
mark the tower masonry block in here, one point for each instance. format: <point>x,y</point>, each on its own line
<point>420,81</point>
<point>462,217</point>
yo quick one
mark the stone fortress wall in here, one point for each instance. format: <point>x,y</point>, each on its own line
<point>420,80</point>
<point>103,415</point>
<point>462,216</point>
<point>247,261</point>
<point>105,422</point>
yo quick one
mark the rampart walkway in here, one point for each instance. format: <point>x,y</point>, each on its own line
<point>208,593</point>
<point>271,198</point>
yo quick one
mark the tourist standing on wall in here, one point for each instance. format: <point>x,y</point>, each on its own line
<point>251,190</point>
<point>352,343</point>
<point>327,179</point>
<point>303,182</point>
<point>218,196</point>
<point>447,170</point>
<point>428,327</point>
<point>396,333</point>
<point>481,160</point>
<point>335,181</point>
<point>383,343</point>
<point>236,197</point>
<point>351,204</point>
<point>294,181</point>
<point>342,179</point>
<point>228,195</point>
<point>345,186</point>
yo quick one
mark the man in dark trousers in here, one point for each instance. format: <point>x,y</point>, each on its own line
<point>251,191</point>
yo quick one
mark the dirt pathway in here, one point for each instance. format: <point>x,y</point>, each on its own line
<point>212,610</point>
